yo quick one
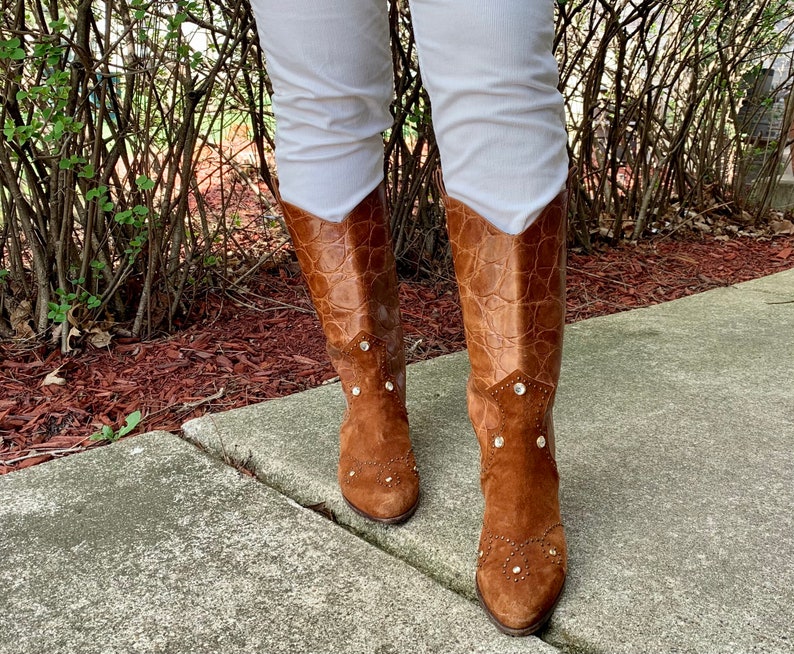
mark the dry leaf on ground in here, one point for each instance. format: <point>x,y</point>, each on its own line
<point>99,337</point>
<point>52,378</point>
<point>782,226</point>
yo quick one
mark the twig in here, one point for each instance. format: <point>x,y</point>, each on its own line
<point>210,398</point>
<point>34,454</point>
<point>606,279</point>
<point>281,305</point>
<point>262,260</point>
<point>692,215</point>
<point>243,175</point>
<point>413,347</point>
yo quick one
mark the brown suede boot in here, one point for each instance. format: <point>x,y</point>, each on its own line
<point>512,291</point>
<point>350,271</point>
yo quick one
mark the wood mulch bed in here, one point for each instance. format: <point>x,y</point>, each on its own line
<point>239,349</point>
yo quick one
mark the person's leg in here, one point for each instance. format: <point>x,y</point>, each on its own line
<point>498,116</point>
<point>330,66</point>
<point>492,79</point>
<point>331,69</point>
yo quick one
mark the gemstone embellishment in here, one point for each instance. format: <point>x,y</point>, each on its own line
<point>553,552</point>
<point>498,442</point>
<point>356,391</point>
<point>352,473</point>
<point>541,441</point>
<point>519,389</point>
<point>389,386</point>
<point>516,570</point>
<point>364,345</point>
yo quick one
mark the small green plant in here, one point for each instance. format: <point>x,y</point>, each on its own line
<point>107,433</point>
<point>58,310</point>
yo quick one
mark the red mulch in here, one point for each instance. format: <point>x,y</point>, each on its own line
<point>232,355</point>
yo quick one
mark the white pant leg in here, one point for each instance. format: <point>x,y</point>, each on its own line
<point>499,119</point>
<point>330,65</point>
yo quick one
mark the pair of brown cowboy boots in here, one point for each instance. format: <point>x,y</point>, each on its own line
<point>512,291</point>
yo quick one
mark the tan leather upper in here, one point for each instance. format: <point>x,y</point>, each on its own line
<point>512,292</point>
<point>350,271</point>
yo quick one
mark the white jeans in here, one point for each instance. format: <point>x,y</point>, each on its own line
<point>491,76</point>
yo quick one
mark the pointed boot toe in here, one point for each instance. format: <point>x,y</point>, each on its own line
<point>519,584</point>
<point>386,492</point>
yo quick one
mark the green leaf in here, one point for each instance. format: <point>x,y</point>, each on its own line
<point>124,217</point>
<point>131,423</point>
<point>58,25</point>
<point>106,434</point>
<point>58,312</point>
<point>144,183</point>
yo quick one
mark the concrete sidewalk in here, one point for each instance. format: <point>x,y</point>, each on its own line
<point>150,545</point>
<point>676,448</point>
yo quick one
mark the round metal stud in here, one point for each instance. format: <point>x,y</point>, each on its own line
<point>516,570</point>
<point>356,391</point>
<point>364,345</point>
<point>389,386</point>
<point>553,552</point>
<point>498,442</point>
<point>541,441</point>
<point>519,389</point>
